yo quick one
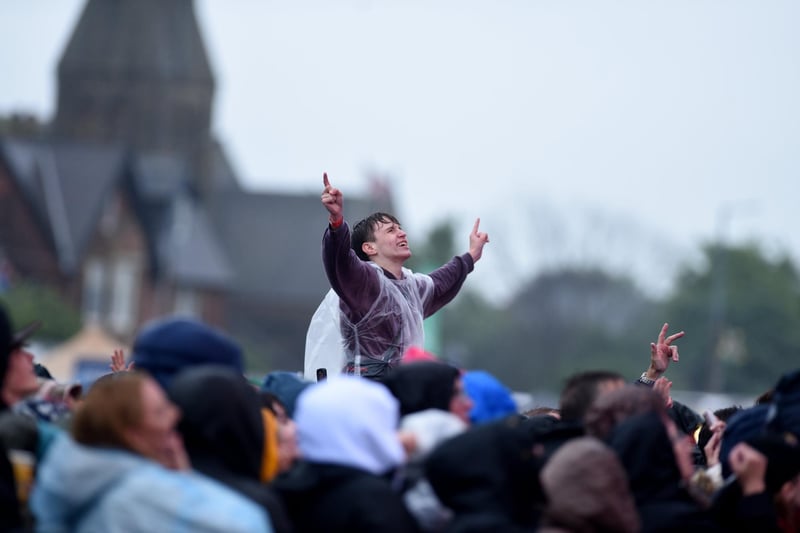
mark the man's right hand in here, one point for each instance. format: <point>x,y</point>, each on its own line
<point>332,200</point>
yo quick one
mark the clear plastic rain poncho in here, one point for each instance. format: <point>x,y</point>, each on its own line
<point>335,343</point>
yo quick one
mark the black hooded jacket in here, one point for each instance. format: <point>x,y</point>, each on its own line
<point>329,498</point>
<point>646,452</point>
<point>488,477</point>
<point>223,433</point>
<point>422,385</point>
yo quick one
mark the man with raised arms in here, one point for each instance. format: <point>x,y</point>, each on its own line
<point>380,304</point>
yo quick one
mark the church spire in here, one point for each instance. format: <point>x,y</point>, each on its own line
<point>136,72</point>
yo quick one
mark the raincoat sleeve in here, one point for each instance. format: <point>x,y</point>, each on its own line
<point>354,281</point>
<point>447,281</point>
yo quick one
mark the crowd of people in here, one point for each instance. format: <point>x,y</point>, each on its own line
<point>176,437</point>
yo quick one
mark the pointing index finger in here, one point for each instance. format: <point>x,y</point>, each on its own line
<point>325,181</point>
<point>477,223</point>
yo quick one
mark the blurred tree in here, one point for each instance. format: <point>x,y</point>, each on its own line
<point>437,249</point>
<point>21,125</point>
<point>27,302</point>
<point>565,321</point>
<point>740,311</point>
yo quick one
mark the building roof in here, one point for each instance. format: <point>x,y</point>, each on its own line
<point>274,242</point>
<point>182,240</point>
<point>188,247</point>
<point>67,185</point>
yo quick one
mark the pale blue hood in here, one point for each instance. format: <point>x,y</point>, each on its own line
<point>83,489</point>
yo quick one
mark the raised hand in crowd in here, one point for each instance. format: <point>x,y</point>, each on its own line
<point>662,352</point>
<point>477,239</point>
<point>118,362</point>
<point>662,387</point>
<point>714,444</point>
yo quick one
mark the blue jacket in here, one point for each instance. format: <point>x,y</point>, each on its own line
<point>84,489</point>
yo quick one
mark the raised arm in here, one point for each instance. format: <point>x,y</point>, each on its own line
<point>662,352</point>
<point>448,279</point>
<point>355,282</point>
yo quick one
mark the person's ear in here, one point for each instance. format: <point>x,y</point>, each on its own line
<point>369,249</point>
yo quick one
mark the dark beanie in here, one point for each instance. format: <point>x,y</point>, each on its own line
<point>779,417</point>
<point>165,347</point>
<point>784,413</point>
<point>286,386</point>
<point>744,425</point>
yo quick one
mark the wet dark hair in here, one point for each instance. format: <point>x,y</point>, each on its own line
<point>581,390</point>
<point>364,231</point>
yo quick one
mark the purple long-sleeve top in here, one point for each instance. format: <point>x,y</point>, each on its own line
<point>382,315</point>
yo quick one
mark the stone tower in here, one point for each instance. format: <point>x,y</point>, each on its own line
<point>135,72</point>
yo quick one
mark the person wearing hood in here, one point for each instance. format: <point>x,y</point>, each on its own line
<point>488,477</point>
<point>125,469</point>
<point>768,436</point>
<point>587,490</point>
<point>350,449</point>
<point>232,441</point>
<point>427,385</point>
<point>657,458</point>
<point>491,399</point>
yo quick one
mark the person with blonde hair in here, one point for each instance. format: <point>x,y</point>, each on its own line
<point>125,469</point>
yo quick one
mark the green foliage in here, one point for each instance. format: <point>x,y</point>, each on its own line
<point>437,249</point>
<point>753,304</point>
<point>739,305</point>
<point>563,322</point>
<point>27,302</point>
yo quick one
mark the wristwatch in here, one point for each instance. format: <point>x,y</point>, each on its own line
<point>644,380</point>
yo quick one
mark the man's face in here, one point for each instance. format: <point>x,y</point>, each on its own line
<point>390,242</point>
<point>20,380</point>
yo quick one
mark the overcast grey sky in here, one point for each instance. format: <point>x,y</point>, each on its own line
<point>623,132</point>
